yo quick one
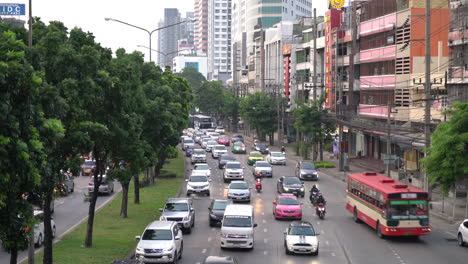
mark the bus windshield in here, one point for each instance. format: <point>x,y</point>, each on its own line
<point>413,209</point>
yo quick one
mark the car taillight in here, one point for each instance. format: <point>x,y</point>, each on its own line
<point>91,184</point>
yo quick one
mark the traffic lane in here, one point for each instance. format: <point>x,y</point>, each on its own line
<point>69,210</point>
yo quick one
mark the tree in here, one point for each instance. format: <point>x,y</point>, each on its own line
<point>311,120</point>
<point>209,97</point>
<point>193,76</point>
<point>446,160</point>
<point>21,148</point>
<point>259,111</point>
<point>230,111</point>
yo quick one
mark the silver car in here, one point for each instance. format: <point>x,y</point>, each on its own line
<point>262,169</point>
<point>198,156</point>
<point>107,185</point>
<point>218,150</point>
<point>210,145</point>
<point>238,191</point>
<point>188,142</point>
<point>204,141</point>
<point>202,169</point>
<point>161,242</point>
<point>276,158</point>
<point>198,184</point>
<point>179,210</point>
<point>233,171</point>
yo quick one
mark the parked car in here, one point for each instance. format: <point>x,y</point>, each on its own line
<point>225,158</point>
<point>253,157</point>
<point>262,148</point>
<point>161,242</point>
<point>236,138</point>
<point>306,170</point>
<point>262,169</point>
<point>187,142</point>
<point>233,171</point>
<point>210,145</point>
<point>220,130</point>
<point>201,169</point>
<point>463,233</point>
<point>238,148</point>
<point>216,210</point>
<point>198,156</point>
<point>276,158</point>
<point>180,210</point>
<point>286,206</point>
<point>106,186</point>
<point>291,184</point>
<point>198,184</point>
<point>39,228</point>
<point>220,260</point>
<point>88,167</point>
<point>238,191</point>
<point>218,150</point>
<point>301,238</point>
<point>224,140</point>
<point>68,182</point>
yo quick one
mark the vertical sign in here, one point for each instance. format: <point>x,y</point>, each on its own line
<point>287,58</point>
<point>332,21</point>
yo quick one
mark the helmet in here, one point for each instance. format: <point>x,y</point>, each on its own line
<point>314,186</point>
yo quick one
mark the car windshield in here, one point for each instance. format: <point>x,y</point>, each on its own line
<point>307,166</point>
<point>89,163</point>
<point>215,134</point>
<point>176,207</point>
<point>198,152</point>
<point>238,185</point>
<point>212,143</point>
<point>261,145</point>
<point>237,221</point>
<point>292,180</point>
<point>188,141</point>
<point>277,154</point>
<point>233,166</point>
<point>227,158</point>
<point>220,205</point>
<point>157,234</point>
<point>255,155</point>
<point>198,179</point>
<point>239,144</point>
<point>262,164</point>
<point>220,147</point>
<point>201,167</point>
<point>301,231</point>
<point>287,201</point>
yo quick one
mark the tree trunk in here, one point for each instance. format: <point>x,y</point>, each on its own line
<point>48,256</point>
<point>136,182</point>
<point>124,205</point>
<point>151,176</point>
<point>14,255</point>
<point>321,150</point>
<point>92,205</point>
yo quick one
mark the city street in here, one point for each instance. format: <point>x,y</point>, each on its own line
<point>69,211</point>
<point>341,240</point>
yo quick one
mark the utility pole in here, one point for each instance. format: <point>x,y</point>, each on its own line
<point>389,142</point>
<point>427,87</point>
<point>30,24</point>
<point>314,77</point>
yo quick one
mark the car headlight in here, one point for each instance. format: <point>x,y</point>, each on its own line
<point>278,210</point>
<point>302,189</point>
<point>213,216</point>
<point>186,218</point>
<point>168,249</point>
<point>162,218</point>
<point>139,250</point>
<point>286,188</point>
<point>224,235</point>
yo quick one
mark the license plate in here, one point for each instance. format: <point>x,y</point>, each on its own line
<point>290,215</point>
<point>302,250</point>
<point>238,198</point>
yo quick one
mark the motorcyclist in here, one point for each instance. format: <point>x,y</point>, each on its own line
<point>321,199</point>
<point>314,189</point>
<point>283,149</point>
<point>258,184</point>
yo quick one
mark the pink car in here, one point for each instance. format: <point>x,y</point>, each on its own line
<point>224,141</point>
<point>286,206</point>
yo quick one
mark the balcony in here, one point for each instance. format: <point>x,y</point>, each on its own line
<point>378,54</point>
<point>377,25</point>
<point>458,37</point>
<point>375,111</point>
<point>379,82</point>
<point>457,75</point>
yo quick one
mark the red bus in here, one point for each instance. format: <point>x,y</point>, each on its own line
<point>390,207</point>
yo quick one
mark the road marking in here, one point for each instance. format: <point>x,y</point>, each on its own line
<point>209,239</point>
<point>323,232</point>
<point>450,233</point>
<point>328,243</point>
<point>265,252</point>
<point>263,213</point>
<point>265,241</point>
<point>213,229</point>
<point>265,230</point>
<point>203,251</point>
<point>333,254</point>
<point>264,221</point>
<point>318,223</point>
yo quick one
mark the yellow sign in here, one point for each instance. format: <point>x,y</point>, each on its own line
<point>336,3</point>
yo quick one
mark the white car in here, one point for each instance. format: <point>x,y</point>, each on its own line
<point>301,238</point>
<point>204,141</point>
<point>161,242</point>
<point>198,156</point>
<point>463,233</point>
<point>198,184</point>
<point>198,136</point>
<point>106,186</point>
<point>218,150</point>
<point>276,158</point>
<point>39,228</point>
<point>214,136</point>
<point>202,169</point>
<point>233,171</point>
<point>210,145</point>
<point>220,130</point>
<point>188,142</point>
<point>238,191</point>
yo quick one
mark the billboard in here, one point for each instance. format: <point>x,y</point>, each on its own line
<point>192,64</point>
<point>9,9</point>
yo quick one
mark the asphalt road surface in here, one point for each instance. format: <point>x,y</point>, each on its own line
<point>69,211</point>
<point>341,240</point>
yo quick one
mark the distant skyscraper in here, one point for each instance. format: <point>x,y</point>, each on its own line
<point>168,38</point>
<point>201,26</point>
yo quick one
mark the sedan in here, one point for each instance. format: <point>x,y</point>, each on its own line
<point>463,233</point>
<point>106,186</point>
<point>225,158</point>
<point>286,206</point>
<point>216,210</point>
<point>224,140</point>
<point>262,169</point>
<point>262,148</point>
<point>210,145</point>
<point>253,157</point>
<point>238,148</point>
<point>202,169</point>
<point>307,170</point>
<point>237,138</point>
<point>276,158</point>
<point>301,238</point>
<point>290,184</point>
<point>198,184</point>
<point>218,150</point>
<point>238,191</point>
<point>220,260</point>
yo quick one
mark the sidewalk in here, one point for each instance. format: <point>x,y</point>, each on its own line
<point>442,219</point>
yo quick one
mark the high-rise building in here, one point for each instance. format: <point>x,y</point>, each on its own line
<point>168,38</point>
<point>201,26</point>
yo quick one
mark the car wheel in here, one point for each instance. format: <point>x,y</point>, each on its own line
<point>181,250</point>
<point>461,243</point>
<point>39,241</point>
<point>286,250</point>
<point>53,231</point>
<point>189,230</point>
<point>176,257</point>
<point>315,253</point>
<point>73,188</point>
<point>212,223</point>
<point>379,231</point>
<point>355,216</point>
<point>193,222</point>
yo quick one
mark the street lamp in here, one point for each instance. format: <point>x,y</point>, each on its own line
<point>150,33</point>
<point>164,54</point>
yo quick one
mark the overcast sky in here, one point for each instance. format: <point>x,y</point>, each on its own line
<point>89,15</point>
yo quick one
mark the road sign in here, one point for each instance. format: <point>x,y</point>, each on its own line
<point>9,9</point>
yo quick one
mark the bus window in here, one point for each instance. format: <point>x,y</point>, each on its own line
<point>408,209</point>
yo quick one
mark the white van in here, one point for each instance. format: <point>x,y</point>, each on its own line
<point>237,227</point>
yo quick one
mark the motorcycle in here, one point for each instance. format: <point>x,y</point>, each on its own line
<point>258,185</point>
<point>320,210</point>
<point>61,189</point>
<point>313,197</point>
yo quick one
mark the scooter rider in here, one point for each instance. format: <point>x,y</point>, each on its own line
<point>321,199</point>
<point>283,149</point>
<point>258,184</point>
<point>314,189</point>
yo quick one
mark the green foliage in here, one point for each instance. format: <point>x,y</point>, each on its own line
<point>259,111</point>
<point>324,164</point>
<point>209,97</point>
<point>446,160</point>
<point>193,76</point>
